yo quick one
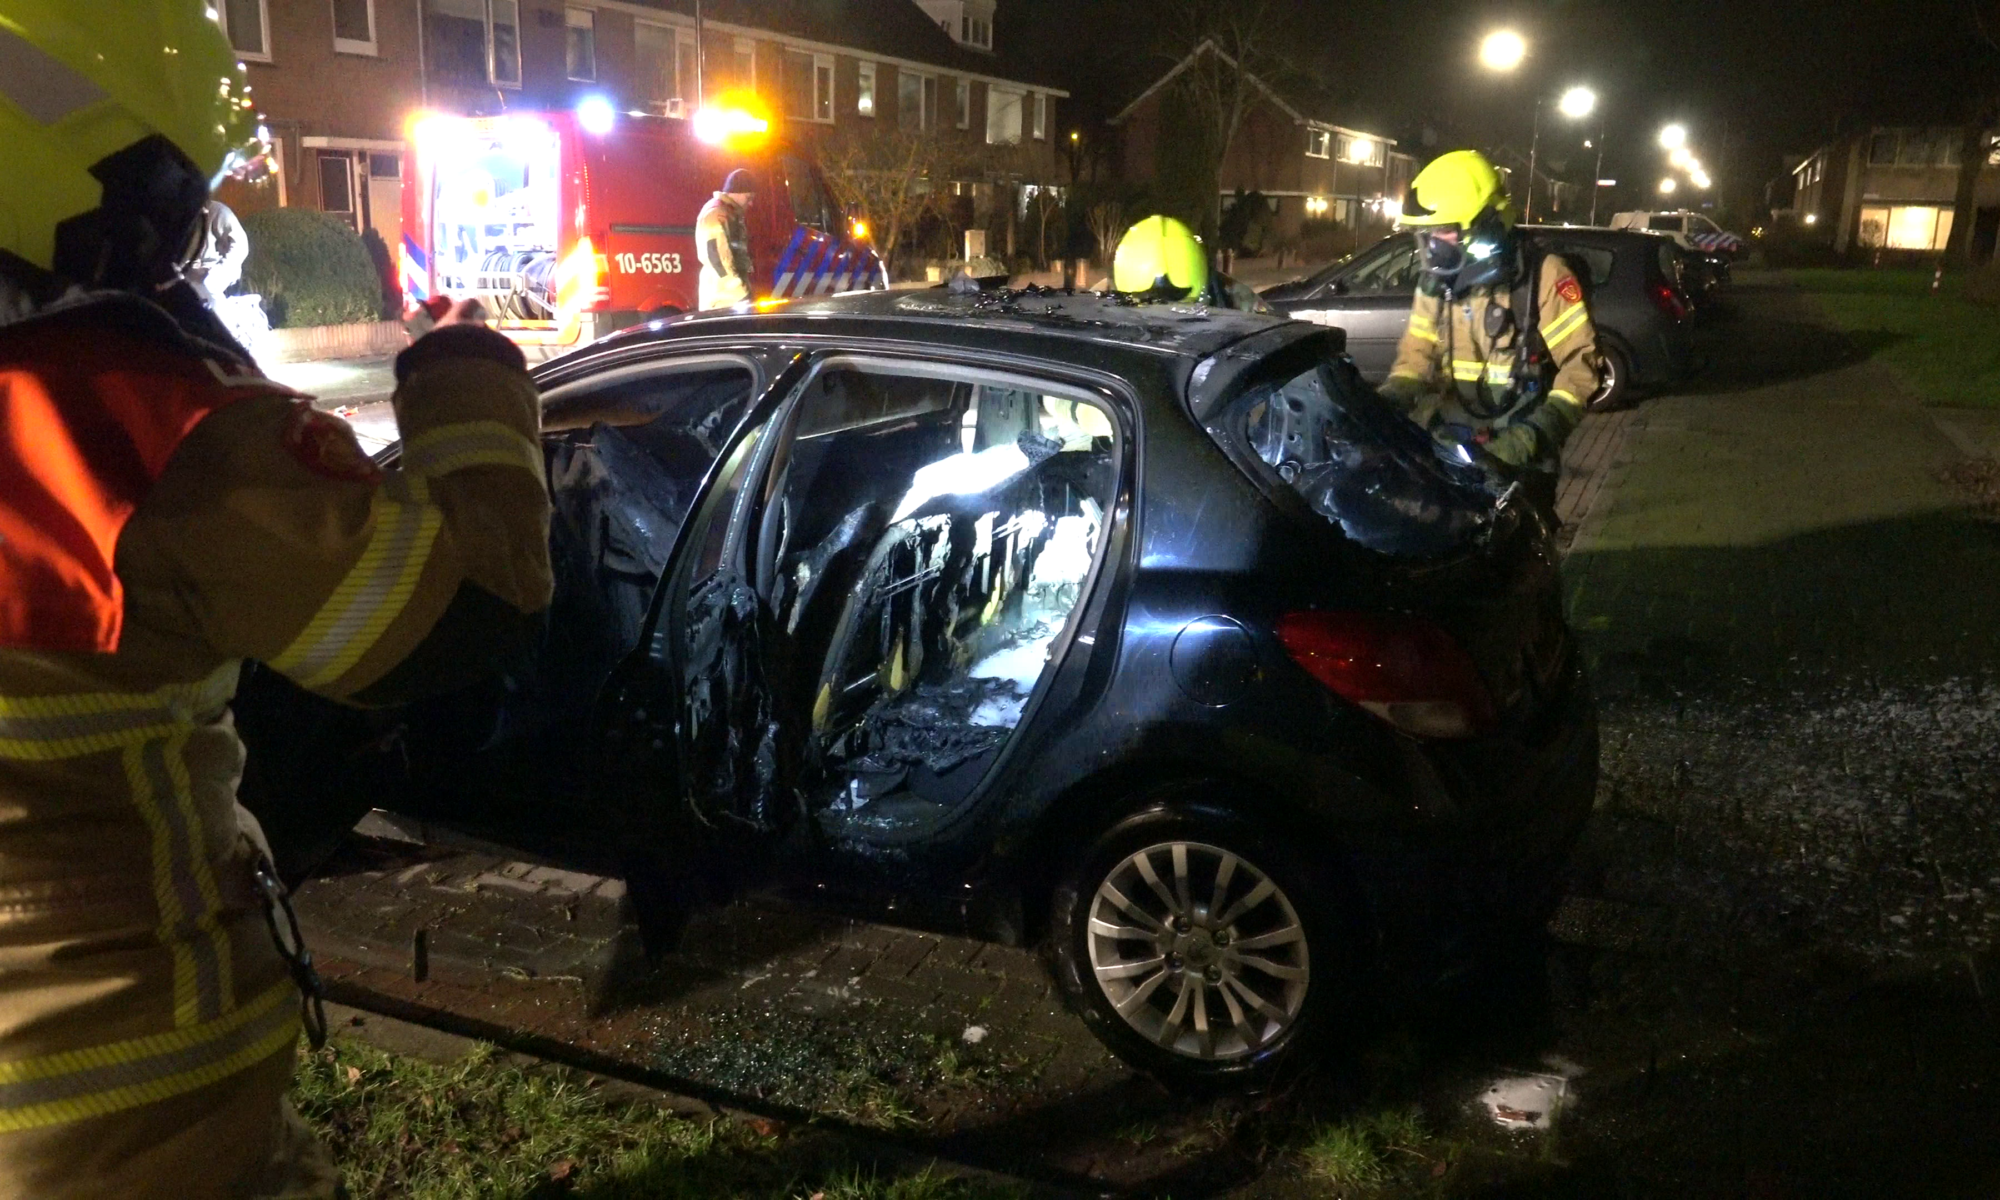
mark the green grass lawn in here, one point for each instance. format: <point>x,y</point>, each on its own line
<point>1946,347</point>
<point>405,1128</point>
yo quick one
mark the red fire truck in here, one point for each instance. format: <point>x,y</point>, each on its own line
<point>573,224</point>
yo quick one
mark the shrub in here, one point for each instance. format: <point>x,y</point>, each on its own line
<point>311,269</point>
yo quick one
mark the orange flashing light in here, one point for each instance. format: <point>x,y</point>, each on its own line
<point>735,119</point>
<point>580,282</point>
<point>860,230</point>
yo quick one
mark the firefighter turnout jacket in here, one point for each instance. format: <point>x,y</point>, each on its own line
<point>1507,369</point>
<point>722,239</point>
<point>165,513</point>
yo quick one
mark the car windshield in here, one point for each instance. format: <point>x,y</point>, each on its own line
<point>1359,463</point>
<point>1387,266</point>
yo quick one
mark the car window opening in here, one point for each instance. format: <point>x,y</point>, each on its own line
<point>922,544</point>
<point>1361,465</point>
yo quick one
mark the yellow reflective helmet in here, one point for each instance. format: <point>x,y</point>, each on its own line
<point>1456,189</point>
<point>1160,248</point>
<point>82,81</point>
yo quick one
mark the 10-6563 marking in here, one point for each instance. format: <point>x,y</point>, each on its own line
<point>647,264</point>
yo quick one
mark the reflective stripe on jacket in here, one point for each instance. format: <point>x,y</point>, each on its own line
<point>1455,374</point>
<point>135,965</point>
<point>722,242</point>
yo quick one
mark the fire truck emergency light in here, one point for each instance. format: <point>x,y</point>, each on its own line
<point>727,122</point>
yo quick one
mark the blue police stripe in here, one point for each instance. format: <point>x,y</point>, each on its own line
<point>779,282</point>
<point>811,265</point>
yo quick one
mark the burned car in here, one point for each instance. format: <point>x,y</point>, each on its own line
<point>1142,629</point>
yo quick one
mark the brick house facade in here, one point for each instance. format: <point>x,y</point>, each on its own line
<point>1308,168</point>
<point>1895,188</point>
<point>338,80</point>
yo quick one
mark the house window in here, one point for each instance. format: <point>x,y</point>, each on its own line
<point>1906,227</point>
<point>666,67</point>
<point>1917,150</point>
<point>248,24</point>
<point>964,29</point>
<point>336,184</point>
<point>1041,125</point>
<point>808,86</point>
<point>1882,150</point>
<point>914,96</point>
<point>354,26</point>
<point>580,44</point>
<point>746,64</point>
<point>864,90</point>
<point>1003,116</point>
<point>1319,143</point>
<point>474,41</point>
<point>965,104</point>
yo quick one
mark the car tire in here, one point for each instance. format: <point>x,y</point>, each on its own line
<point>1616,390</point>
<point>1185,966</point>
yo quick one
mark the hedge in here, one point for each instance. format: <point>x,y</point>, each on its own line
<point>311,269</point>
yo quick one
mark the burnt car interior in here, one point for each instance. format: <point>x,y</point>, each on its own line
<point>908,557</point>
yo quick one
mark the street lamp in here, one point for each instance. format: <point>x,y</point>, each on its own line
<point>1576,104</point>
<point>1674,137</point>
<point>1667,187</point>
<point>1502,51</point>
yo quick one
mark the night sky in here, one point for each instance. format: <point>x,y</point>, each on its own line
<point>1753,79</point>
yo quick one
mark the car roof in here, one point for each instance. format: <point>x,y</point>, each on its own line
<point>1589,233</point>
<point>966,318</point>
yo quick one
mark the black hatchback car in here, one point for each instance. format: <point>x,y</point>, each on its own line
<point>1144,629</point>
<point>1633,280</point>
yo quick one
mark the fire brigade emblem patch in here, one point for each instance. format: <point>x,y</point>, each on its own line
<point>1570,290</point>
<point>324,444</point>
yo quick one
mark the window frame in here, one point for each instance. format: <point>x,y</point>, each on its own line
<point>821,67</point>
<point>493,45</point>
<point>864,90</point>
<point>367,49</point>
<point>578,17</point>
<point>1041,117</point>
<point>963,99</point>
<point>1019,105</point>
<point>926,86</point>
<point>1323,139</point>
<point>221,10</point>
<point>744,49</point>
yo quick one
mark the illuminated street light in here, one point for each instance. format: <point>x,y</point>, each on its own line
<point>1502,51</point>
<point>1701,180</point>
<point>1674,137</point>
<point>1578,103</point>
<point>1681,160</point>
<point>1667,187</point>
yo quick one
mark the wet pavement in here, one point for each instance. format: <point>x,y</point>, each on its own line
<point>1776,975</point>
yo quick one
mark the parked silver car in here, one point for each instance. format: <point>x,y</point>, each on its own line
<point>1632,279</point>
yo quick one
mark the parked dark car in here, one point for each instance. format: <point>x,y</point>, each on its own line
<point>1632,280</point>
<point>1145,630</point>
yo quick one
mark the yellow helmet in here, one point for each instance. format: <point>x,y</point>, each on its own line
<point>82,82</point>
<point>1456,189</point>
<point>1160,248</point>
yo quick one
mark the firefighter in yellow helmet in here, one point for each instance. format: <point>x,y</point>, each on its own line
<point>167,512</point>
<point>1500,352</point>
<point>1162,257</point>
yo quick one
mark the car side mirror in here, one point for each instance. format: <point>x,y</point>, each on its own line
<point>1337,288</point>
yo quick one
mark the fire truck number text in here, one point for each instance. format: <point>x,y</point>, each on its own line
<point>648,264</point>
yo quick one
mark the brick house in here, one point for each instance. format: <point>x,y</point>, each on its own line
<point>338,79</point>
<point>1308,167</point>
<point>1895,188</point>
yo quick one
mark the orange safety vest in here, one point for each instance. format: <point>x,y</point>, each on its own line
<point>83,438</point>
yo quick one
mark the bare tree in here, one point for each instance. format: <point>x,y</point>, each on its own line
<point>893,179</point>
<point>1975,141</point>
<point>1223,43</point>
<point>1107,225</point>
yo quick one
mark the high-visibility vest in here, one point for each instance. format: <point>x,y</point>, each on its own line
<point>81,443</point>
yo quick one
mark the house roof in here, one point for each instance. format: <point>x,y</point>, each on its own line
<point>1294,105</point>
<point>895,29</point>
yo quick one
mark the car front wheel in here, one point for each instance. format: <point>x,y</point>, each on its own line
<point>1195,948</point>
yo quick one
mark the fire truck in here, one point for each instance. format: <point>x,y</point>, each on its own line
<point>572,224</point>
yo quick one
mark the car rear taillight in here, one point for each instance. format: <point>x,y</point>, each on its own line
<point>1406,671</point>
<point>1669,301</point>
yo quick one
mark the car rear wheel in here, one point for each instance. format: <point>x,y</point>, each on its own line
<point>1196,948</point>
<point>1616,388</point>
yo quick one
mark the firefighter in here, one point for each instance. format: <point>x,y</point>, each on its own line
<point>165,513</point>
<point>722,237</point>
<point>1161,256</point>
<point>1500,353</point>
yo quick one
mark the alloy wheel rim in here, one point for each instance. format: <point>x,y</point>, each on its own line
<point>1198,950</point>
